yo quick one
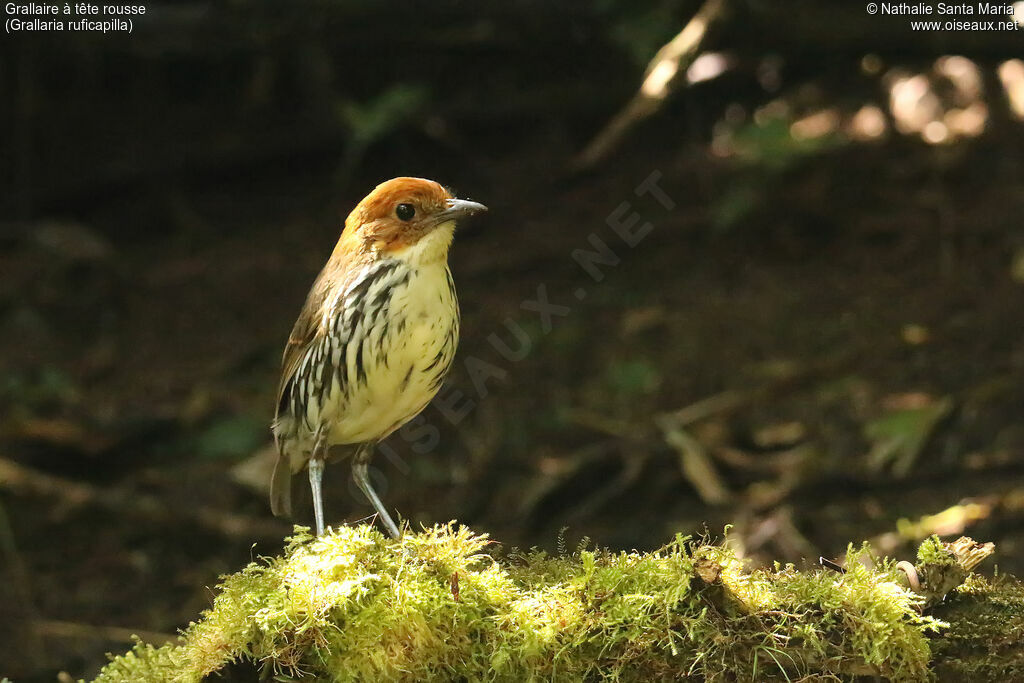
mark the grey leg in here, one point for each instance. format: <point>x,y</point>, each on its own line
<point>316,473</point>
<point>361,473</point>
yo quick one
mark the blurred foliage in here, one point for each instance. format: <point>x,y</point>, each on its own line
<point>761,150</point>
<point>899,436</point>
<point>738,202</point>
<point>641,28</point>
<point>232,437</point>
<point>631,378</point>
<point>38,390</point>
<point>770,145</point>
<point>376,119</point>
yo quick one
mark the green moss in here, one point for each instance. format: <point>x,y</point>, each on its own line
<point>445,604</point>
<point>985,641</point>
<point>147,663</point>
<point>933,552</point>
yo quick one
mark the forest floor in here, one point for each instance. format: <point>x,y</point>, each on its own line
<point>841,362</point>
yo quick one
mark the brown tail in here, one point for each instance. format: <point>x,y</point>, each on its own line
<point>281,488</point>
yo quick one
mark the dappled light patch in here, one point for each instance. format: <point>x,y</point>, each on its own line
<point>942,105</point>
<point>945,104</point>
<point>1011,73</point>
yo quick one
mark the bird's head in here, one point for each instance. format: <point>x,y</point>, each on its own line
<point>408,218</point>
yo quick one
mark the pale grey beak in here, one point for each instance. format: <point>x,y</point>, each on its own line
<point>457,208</point>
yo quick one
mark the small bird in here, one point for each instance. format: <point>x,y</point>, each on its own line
<point>374,340</point>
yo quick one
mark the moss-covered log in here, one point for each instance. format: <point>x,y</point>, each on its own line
<point>446,604</point>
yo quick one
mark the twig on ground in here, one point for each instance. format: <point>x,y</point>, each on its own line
<point>26,480</point>
<point>697,467</point>
<point>53,628</point>
<point>21,584</point>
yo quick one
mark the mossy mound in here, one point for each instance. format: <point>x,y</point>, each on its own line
<point>442,605</point>
<point>985,638</point>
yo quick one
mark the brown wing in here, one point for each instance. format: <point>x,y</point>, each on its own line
<point>341,268</point>
<point>305,331</point>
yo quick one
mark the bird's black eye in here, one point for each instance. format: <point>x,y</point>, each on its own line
<point>405,212</point>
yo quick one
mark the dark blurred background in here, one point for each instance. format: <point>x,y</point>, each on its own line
<point>819,341</point>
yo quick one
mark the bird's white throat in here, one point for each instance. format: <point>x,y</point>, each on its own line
<point>432,247</point>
